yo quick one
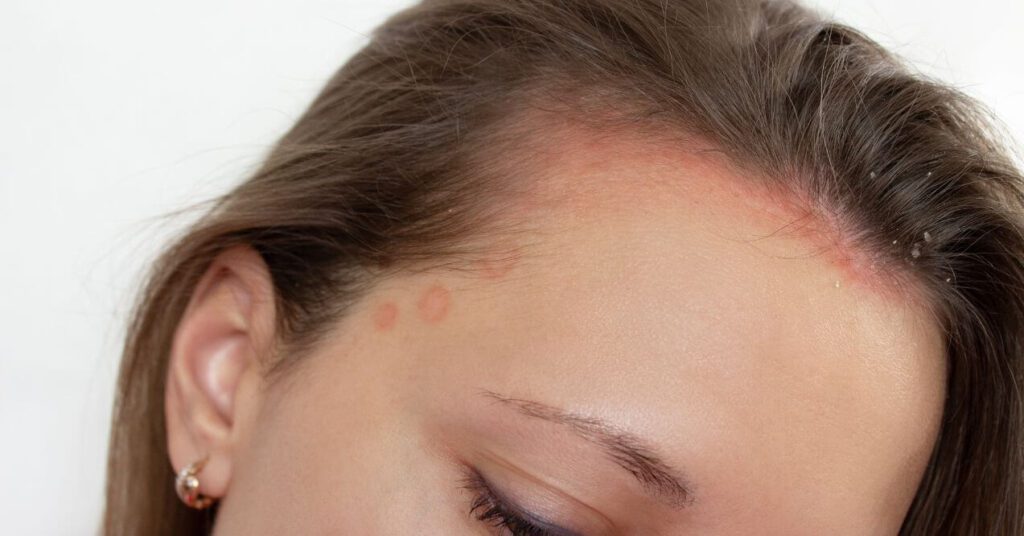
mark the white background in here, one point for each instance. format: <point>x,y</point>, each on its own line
<point>114,113</point>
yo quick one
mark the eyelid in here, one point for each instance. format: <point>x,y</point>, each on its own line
<point>477,481</point>
<point>592,520</point>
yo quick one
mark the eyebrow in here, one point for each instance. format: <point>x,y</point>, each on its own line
<point>628,451</point>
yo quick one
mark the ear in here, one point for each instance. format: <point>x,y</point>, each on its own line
<point>214,373</point>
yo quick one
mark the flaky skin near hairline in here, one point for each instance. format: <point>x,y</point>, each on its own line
<point>408,152</point>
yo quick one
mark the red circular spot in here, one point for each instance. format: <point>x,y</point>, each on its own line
<point>433,305</point>
<point>386,316</point>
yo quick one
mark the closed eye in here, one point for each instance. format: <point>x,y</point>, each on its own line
<point>512,520</point>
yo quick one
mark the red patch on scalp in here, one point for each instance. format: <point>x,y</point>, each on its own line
<point>433,305</point>
<point>587,173</point>
<point>386,316</point>
<point>828,236</point>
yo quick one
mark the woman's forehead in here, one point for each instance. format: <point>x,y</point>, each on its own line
<point>687,317</point>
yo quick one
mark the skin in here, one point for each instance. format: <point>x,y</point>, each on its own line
<point>788,391</point>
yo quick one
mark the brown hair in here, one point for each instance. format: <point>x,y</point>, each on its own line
<point>410,150</point>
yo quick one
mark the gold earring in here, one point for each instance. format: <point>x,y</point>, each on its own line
<point>187,486</point>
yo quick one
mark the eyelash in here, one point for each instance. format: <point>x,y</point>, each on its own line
<point>488,508</point>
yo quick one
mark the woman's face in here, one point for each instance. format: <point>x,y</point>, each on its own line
<point>657,361</point>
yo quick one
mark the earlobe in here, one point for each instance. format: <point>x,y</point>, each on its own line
<point>221,339</point>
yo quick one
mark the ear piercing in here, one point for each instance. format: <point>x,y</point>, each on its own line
<point>187,486</point>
